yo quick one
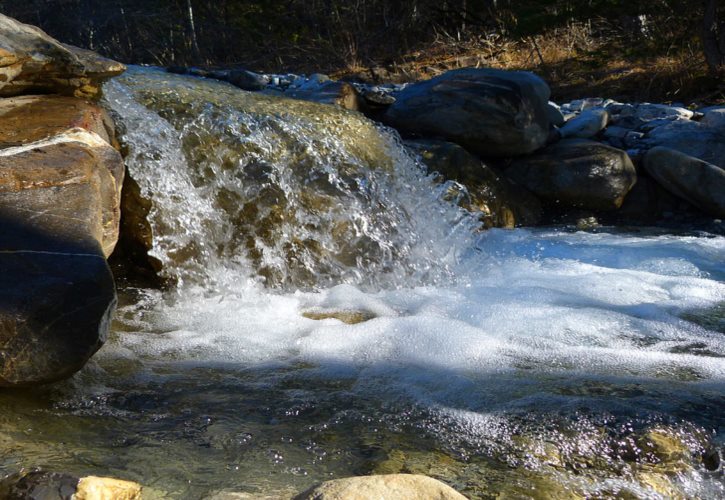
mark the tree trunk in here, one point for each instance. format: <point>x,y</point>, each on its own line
<point>196,53</point>
<point>713,38</point>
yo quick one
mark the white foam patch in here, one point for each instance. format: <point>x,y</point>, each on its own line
<point>572,307</point>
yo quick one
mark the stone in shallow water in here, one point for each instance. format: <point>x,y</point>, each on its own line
<point>349,317</point>
<point>107,488</point>
<point>42,485</point>
<point>397,486</point>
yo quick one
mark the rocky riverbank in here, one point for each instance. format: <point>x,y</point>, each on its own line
<point>586,162</point>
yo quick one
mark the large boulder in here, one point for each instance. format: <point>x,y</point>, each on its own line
<point>499,202</point>
<point>60,187</point>
<point>389,486</point>
<point>691,179</point>
<point>41,121</point>
<point>33,62</point>
<point>576,173</point>
<point>490,112</point>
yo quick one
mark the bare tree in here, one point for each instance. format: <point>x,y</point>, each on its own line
<point>713,38</point>
<point>192,32</point>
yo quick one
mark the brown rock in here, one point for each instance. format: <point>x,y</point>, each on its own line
<point>32,118</point>
<point>106,488</point>
<point>59,216</point>
<point>33,62</point>
<point>385,487</point>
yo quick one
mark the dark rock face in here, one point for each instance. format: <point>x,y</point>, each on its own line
<point>691,179</point>
<point>56,290</point>
<point>492,113</point>
<point>500,203</point>
<point>577,173</point>
<point>33,62</point>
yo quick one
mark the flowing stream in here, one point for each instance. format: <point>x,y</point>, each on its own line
<point>331,314</point>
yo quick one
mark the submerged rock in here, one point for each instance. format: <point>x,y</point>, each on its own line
<point>397,486</point>
<point>42,485</point>
<point>576,173</point>
<point>490,112</point>
<point>348,317</point>
<point>500,203</point>
<point>33,62</point>
<point>696,181</point>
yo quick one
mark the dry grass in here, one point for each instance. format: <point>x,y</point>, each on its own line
<point>577,61</point>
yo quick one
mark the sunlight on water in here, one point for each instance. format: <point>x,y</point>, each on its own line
<point>333,316</point>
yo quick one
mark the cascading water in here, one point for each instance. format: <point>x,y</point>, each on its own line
<point>513,364</point>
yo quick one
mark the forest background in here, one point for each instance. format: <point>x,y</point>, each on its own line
<point>659,50</point>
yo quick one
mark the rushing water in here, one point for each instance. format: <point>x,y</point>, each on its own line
<point>514,364</point>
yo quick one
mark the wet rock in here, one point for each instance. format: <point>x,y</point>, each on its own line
<point>107,488</point>
<point>648,202</point>
<point>33,62</point>
<point>338,93</point>
<point>586,125</point>
<point>577,173</point>
<point>696,181</point>
<point>489,112</point>
<point>42,485</point>
<point>348,317</point>
<point>660,484</point>
<point>500,203</point>
<point>58,199</point>
<point>38,485</point>
<point>398,486</point>
<point>247,80</point>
